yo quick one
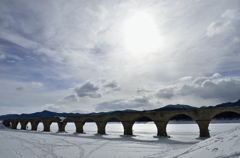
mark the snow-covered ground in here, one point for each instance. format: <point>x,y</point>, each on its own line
<point>222,145</point>
<point>225,142</point>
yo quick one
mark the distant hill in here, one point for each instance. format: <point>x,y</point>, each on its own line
<point>229,104</point>
<point>174,107</point>
<point>46,113</point>
<point>42,114</point>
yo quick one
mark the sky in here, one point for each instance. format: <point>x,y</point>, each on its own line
<point>91,56</point>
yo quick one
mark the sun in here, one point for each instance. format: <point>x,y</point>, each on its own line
<point>141,33</point>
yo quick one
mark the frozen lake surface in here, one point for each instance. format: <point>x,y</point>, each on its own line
<point>187,128</point>
<point>184,142</point>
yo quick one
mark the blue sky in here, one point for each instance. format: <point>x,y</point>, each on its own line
<point>91,56</point>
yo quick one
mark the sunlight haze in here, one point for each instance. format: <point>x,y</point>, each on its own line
<point>92,56</point>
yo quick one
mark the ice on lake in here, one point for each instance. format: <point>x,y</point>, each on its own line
<point>187,128</point>
<point>184,141</point>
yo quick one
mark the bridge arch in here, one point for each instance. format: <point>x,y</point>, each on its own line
<point>202,116</point>
<point>229,119</point>
<point>222,111</point>
<point>89,124</point>
<point>182,123</point>
<point>144,125</point>
<point>36,124</point>
<point>68,125</point>
<point>23,124</point>
<point>112,123</point>
<point>181,113</point>
<point>47,124</point>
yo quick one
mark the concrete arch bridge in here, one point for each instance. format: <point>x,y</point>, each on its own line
<point>202,117</point>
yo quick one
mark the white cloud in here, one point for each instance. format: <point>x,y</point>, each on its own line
<point>122,104</point>
<point>229,23</point>
<point>186,78</point>
<point>60,44</point>
<point>200,80</point>
<point>97,88</point>
<point>2,56</point>
<point>52,107</point>
<point>166,93</point>
<point>232,14</point>
<point>14,57</point>
<point>221,89</point>
<point>215,28</point>
<point>216,75</point>
<point>35,84</point>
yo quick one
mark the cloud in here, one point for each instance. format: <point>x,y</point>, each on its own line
<point>229,21</point>
<point>122,104</point>
<point>186,78</point>
<point>200,80</point>
<point>19,88</point>
<point>222,89</point>
<point>2,56</point>
<point>59,108</point>
<point>14,57</point>
<point>52,107</point>
<point>166,93</point>
<point>110,86</point>
<point>58,46</point>
<point>88,89</point>
<point>9,57</point>
<point>142,90</point>
<point>232,14</point>
<point>35,84</point>
<point>11,61</point>
<point>216,75</point>
<point>29,86</point>
<point>97,88</point>
<point>71,98</point>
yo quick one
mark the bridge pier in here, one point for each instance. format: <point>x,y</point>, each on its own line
<point>79,126</point>
<point>203,127</point>
<point>161,127</point>
<point>46,126</point>
<point>23,124</point>
<point>34,125</point>
<point>14,124</point>
<point>127,125</point>
<point>61,126</point>
<point>101,127</point>
<point>7,123</point>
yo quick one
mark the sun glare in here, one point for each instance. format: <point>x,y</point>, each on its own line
<point>141,34</point>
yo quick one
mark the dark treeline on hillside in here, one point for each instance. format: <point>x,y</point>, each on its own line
<point>182,118</point>
<point>227,115</point>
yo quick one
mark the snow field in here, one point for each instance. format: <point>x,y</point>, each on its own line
<point>222,145</point>
<point>183,142</point>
